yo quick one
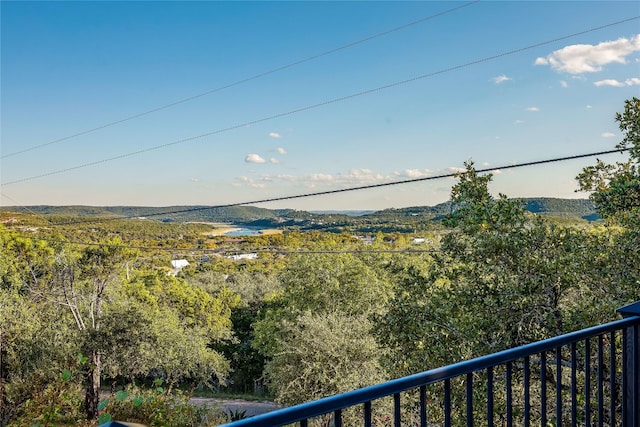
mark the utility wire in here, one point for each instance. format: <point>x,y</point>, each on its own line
<point>321,104</point>
<point>345,190</point>
<point>245,80</point>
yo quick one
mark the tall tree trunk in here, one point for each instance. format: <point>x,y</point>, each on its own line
<point>92,392</point>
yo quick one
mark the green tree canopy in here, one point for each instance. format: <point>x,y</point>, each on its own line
<point>615,188</point>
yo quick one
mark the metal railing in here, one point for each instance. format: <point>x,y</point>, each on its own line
<point>584,378</point>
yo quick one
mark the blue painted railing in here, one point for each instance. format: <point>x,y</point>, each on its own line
<point>586,378</point>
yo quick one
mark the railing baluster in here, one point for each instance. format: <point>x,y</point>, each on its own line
<point>470,399</point>
<point>396,410</point>
<point>625,367</point>
<point>423,406</point>
<point>447,402</point>
<point>623,400</point>
<point>543,388</point>
<point>337,418</point>
<point>636,376</point>
<point>367,414</point>
<point>587,382</point>
<point>490,396</point>
<point>509,394</point>
<point>558,386</point>
<point>612,379</point>
<point>600,382</point>
<point>574,386</point>
<point>527,393</point>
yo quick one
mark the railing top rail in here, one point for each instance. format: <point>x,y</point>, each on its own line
<point>332,403</point>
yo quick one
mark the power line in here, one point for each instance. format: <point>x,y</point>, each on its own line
<point>321,104</point>
<point>245,80</point>
<point>359,188</point>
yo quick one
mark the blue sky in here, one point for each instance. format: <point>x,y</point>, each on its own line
<point>69,67</point>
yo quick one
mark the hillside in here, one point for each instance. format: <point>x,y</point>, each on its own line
<point>235,214</point>
<point>251,215</point>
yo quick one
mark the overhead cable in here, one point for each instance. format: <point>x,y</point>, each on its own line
<point>345,190</point>
<point>245,80</point>
<point>321,104</point>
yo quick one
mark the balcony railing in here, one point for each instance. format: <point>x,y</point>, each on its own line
<point>584,378</point>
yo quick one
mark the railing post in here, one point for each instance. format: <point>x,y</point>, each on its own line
<point>631,371</point>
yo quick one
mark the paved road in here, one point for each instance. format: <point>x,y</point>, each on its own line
<point>251,408</point>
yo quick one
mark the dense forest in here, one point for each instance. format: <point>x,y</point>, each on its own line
<point>96,324</point>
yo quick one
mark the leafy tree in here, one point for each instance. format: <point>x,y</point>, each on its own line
<point>318,329</point>
<point>475,209</point>
<point>82,285</point>
<point>325,353</point>
<point>615,246</point>
<point>34,347</point>
<point>247,363</point>
<point>56,303</point>
<point>616,187</point>
<point>499,280</point>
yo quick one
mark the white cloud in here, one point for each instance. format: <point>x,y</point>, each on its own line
<point>501,79</point>
<point>615,83</point>
<point>413,173</point>
<point>609,82</point>
<point>254,158</point>
<point>282,150</point>
<point>274,160</point>
<point>586,58</point>
<point>534,109</point>
<point>518,122</point>
<point>496,171</point>
<point>321,177</point>
<point>455,169</point>
<point>485,164</point>
<point>275,135</point>
<point>563,84</point>
<point>249,182</point>
<point>354,177</point>
<point>608,134</point>
<point>588,106</point>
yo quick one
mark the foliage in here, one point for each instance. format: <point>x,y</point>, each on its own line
<point>317,333</point>
<point>496,263</point>
<point>474,209</point>
<point>616,187</point>
<point>53,400</point>
<point>246,362</point>
<point>57,301</point>
<point>323,354</point>
<point>158,407</point>
<point>310,324</point>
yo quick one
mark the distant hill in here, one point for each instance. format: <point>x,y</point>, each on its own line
<point>575,208</point>
<point>565,208</point>
<point>235,214</point>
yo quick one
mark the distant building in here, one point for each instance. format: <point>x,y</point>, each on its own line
<point>241,257</point>
<point>178,264</point>
<point>368,240</point>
